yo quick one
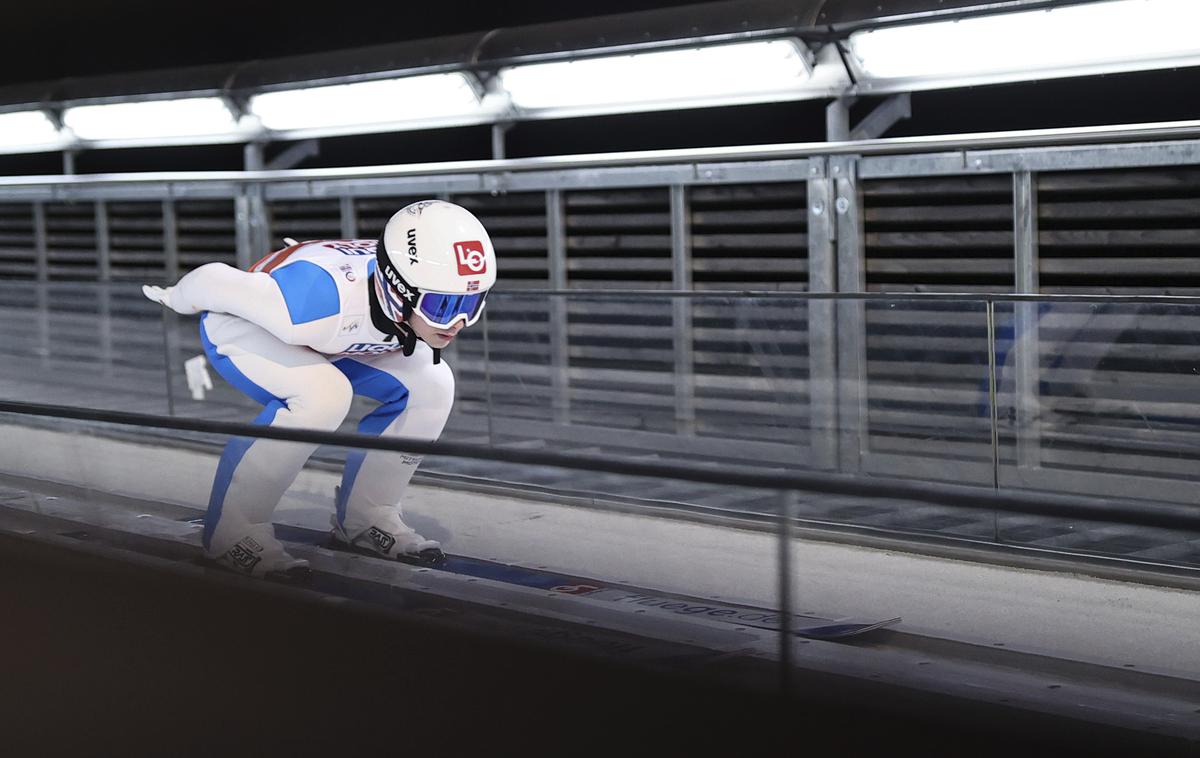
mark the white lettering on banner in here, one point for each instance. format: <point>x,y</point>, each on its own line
<point>471,258</point>
<point>732,615</point>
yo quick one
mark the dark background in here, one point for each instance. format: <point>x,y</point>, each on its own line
<point>54,39</point>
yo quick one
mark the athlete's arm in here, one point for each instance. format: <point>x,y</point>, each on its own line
<point>220,288</point>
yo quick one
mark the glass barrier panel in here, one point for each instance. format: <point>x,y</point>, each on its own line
<point>1097,399</point>
<point>642,585</point>
<point>916,400</point>
<point>82,344</point>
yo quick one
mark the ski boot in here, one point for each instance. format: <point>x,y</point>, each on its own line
<point>260,555</point>
<point>396,542</point>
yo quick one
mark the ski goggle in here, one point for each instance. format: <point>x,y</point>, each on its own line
<point>443,310</point>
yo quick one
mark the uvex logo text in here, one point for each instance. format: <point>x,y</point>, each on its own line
<point>397,282</point>
<point>471,261</point>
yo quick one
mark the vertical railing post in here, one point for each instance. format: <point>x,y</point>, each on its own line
<point>170,220</point>
<point>851,321</point>
<point>1026,341</point>
<point>787,515</point>
<point>681,310</point>
<point>250,225</point>
<point>349,219</point>
<point>41,247</point>
<point>103,243</point>
<point>260,231</point>
<point>170,323</point>
<point>253,231</point>
<point>822,331</point>
<point>993,407</point>
<point>104,295</point>
<point>556,244</point>
<point>171,349</point>
<point>241,230</point>
<point>487,378</point>
<point>993,415</point>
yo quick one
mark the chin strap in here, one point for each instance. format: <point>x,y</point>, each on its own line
<point>402,332</point>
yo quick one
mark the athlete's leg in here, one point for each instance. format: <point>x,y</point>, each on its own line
<point>415,397</point>
<point>298,388</point>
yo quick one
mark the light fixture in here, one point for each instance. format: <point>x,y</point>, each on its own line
<point>1114,35</point>
<point>415,98</point>
<point>733,72</point>
<point>151,119</point>
<point>28,129</point>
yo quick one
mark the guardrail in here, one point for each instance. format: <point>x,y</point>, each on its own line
<point>1079,396</point>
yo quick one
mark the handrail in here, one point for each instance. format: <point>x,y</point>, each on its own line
<point>1158,131</point>
<point>980,297</point>
<point>694,294</point>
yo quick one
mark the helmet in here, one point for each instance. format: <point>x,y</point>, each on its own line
<point>435,260</point>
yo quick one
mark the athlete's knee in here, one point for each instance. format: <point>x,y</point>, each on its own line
<point>325,401</point>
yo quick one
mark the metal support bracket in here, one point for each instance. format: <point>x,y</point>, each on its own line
<point>252,156</point>
<point>295,155</point>
<point>499,131</point>
<point>885,115</point>
<point>837,119</point>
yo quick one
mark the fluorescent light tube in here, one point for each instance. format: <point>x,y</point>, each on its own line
<point>415,98</point>
<point>735,71</point>
<point>1126,34</point>
<point>153,119</point>
<point>28,129</point>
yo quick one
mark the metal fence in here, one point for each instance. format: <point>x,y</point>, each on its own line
<point>884,387</point>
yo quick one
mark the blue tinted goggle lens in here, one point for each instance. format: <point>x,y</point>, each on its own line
<point>443,310</point>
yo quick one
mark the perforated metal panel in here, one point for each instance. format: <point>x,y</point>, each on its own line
<point>136,240</point>
<point>516,222</point>
<point>17,255</point>
<point>71,241</point>
<point>944,234</point>
<point>1120,232</point>
<point>206,233</point>
<point>749,237</point>
<point>619,239</point>
<point>302,220</point>
<point>925,383</point>
<point>371,213</point>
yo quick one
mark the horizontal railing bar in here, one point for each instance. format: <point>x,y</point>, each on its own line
<point>1157,131</point>
<point>1162,515</point>
<point>977,297</point>
<point>974,297</point>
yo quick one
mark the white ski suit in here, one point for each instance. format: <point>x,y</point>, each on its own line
<point>295,333</point>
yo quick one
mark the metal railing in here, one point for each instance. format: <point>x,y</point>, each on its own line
<point>1078,400</point>
<point>847,384</point>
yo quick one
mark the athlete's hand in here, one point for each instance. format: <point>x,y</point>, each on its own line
<point>160,295</point>
<point>163,295</point>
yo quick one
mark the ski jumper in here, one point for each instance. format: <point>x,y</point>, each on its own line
<point>296,334</point>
